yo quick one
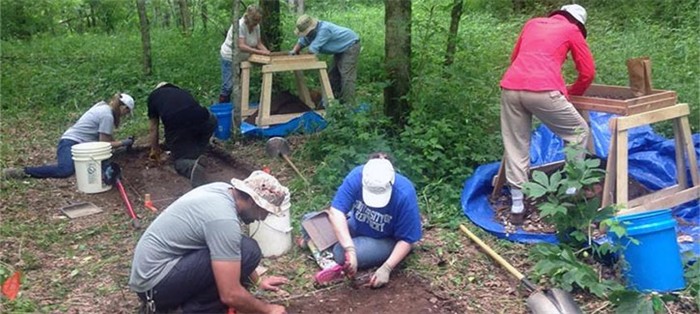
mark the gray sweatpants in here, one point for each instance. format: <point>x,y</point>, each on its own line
<point>552,108</point>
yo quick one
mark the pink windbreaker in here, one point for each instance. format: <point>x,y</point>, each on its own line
<point>540,53</point>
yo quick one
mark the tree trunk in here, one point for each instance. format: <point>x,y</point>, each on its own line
<point>452,36</point>
<point>397,50</point>
<point>300,7</point>
<point>145,37</point>
<point>270,27</point>
<point>184,17</point>
<point>205,17</point>
<point>236,93</point>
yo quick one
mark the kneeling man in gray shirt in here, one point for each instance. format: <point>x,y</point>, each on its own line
<point>194,257</point>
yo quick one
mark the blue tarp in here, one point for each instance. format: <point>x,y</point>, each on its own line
<point>651,162</point>
<point>309,122</point>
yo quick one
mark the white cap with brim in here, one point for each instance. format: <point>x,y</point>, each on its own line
<point>576,11</point>
<point>377,180</point>
<point>265,191</point>
<point>127,100</point>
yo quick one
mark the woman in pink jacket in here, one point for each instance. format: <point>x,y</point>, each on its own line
<point>533,85</point>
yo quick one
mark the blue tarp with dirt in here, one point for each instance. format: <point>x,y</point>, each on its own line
<point>651,163</point>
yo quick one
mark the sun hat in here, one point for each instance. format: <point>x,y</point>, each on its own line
<point>265,191</point>
<point>377,180</point>
<point>576,14</point>
<point>127,101</point>
<point>305,24</point>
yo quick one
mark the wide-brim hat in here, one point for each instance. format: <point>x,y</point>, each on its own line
<point>305,24</point>
<point>265,191</point>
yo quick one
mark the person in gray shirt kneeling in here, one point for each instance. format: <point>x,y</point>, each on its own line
<point>194,256</point>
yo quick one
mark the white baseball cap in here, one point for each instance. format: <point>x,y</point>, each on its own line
<point>377,180</point>
<point>127,101</point>
<point>576,11</point>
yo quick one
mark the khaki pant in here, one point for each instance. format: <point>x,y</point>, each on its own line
<point>343,73</point>
<point>552,108</point>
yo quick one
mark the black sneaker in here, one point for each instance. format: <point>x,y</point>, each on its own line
<point>517,219</point>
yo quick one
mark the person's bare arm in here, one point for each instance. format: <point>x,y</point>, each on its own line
<point>340,227</point>
<point>108,138</point>
<point>227,275</point>
<point>401,250</point>
<point>242,46</point>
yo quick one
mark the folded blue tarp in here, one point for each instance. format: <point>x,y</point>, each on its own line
<point>651,162</point>
<point>309,122</point>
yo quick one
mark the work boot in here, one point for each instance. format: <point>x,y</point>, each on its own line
<point>198,176</point>
<point>14,173</point>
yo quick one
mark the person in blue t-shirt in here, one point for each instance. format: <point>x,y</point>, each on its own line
<point>376,219</point>
<point>327,38</point>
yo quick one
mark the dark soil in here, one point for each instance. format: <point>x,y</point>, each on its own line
<point>405,293</point>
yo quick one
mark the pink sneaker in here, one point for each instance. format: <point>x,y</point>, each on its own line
<point>329,275</point>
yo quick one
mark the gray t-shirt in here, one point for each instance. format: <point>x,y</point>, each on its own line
<point>205,217</point>
<point>98,119</point>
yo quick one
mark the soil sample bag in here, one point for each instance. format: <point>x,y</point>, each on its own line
<point>639,70</point>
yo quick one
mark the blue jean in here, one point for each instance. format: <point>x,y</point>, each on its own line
<point>226,77</point>
<point>370,252</point>
<point>191,285</point>
<point>65,167</point>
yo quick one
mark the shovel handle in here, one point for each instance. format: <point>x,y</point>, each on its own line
<point>495,255</point>
<point>294,167</point>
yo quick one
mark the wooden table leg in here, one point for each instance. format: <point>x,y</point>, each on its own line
<point>690,149</point>
<point>245,89</point>
<point>302,90</point>
<point>326,87</point>
<point>265,100</point>
<point>610,172</point>
<point>500,180</point>
<point>621,169</point>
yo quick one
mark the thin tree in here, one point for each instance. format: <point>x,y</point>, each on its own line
<point>236,93</point>
<point>184,16</point>
<point>452,36</point>
<point>397,51</point>
<point>145,37</point>
<point>300,7</point>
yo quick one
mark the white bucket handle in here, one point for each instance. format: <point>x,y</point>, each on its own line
<point>288,230</point>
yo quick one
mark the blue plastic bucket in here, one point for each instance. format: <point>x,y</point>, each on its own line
<point>224,115</point>
<point>654,264</point>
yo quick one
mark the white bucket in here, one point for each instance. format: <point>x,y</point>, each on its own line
<point>88,158</point>
<point>274,234</point>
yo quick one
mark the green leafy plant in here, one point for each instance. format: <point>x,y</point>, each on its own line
<point>692,277</point>
<point>568,201</point>
<point>567,197</point>
<point>564,269</point>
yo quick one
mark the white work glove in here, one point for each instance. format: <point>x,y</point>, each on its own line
<point>291,53</point>
<point>381,276</point>
<point>350,261</point>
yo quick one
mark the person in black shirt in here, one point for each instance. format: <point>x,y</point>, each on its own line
<point>188,128</point>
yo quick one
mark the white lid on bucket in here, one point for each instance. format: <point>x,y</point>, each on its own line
<point>91,147</point>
